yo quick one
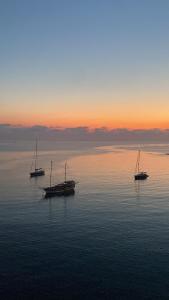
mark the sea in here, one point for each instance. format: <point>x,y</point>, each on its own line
<point>110,240</point>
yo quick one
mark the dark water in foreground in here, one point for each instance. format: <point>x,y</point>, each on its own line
<point>108,241</point>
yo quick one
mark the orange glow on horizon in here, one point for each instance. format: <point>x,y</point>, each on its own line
<point>90,123</point>
<point>133,111</point>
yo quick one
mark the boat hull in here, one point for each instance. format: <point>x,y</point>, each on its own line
<point>62,189</point>
<point>141,176</point>
<point>66,192</point>
<point>37,173</point>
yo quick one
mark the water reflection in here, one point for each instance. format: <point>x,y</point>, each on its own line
<point>99,232</point>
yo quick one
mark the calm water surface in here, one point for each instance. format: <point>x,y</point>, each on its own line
<point>108,241</point>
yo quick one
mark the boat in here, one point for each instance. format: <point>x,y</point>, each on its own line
<point>37,171</point>
<point>67,187</point>
<point>139,175</point>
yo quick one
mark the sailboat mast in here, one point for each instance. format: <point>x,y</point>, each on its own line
<point>36,153</point>
<point>139,161</point>
<point>137,168</point>
<point>51,167</point>
<point>65,170</point>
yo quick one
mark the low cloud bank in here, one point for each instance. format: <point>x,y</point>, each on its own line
<point>10,132</point>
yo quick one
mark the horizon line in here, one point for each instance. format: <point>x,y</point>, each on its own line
<point>90,128</point>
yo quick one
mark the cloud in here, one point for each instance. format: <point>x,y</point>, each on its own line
<point>9,132</point>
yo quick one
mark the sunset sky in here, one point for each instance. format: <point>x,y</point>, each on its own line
<point>85,63</point>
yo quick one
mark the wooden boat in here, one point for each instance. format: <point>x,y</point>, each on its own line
<point>37,171</point>
<point>139,175</point>
<point>67,187</point>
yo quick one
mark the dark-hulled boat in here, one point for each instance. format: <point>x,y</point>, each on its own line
<point>139,175</point>
<point>37,171</point>
<point>61,189</point>
<point>67,187</point>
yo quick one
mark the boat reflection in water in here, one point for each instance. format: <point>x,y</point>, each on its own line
<point>65,188</point>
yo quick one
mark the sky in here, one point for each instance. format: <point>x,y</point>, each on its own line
<point>87,63</point>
